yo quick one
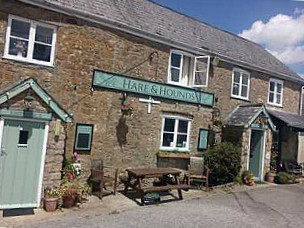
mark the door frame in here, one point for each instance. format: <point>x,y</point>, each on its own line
<point>44,146</point>
<point>263,150</point>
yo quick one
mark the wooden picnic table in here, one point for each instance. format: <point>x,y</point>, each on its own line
<point>138,174</point>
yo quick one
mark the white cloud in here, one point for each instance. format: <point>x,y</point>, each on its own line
<point>282,35</point>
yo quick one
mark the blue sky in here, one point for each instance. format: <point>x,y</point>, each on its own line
<point>278,25</point>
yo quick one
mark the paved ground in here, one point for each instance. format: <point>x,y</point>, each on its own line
<point>277,206</point>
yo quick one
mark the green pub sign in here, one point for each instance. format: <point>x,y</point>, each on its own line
<point>118,82</point>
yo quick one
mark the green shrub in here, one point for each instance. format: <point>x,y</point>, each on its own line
<point>224,160</point>
<point>284,178</point>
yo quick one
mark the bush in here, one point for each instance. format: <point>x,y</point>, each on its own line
<point>224,160</point>
<point>284,178</point>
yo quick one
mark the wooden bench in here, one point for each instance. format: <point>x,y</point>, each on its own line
<point>164,188</point>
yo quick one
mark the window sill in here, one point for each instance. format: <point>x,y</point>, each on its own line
<point>275,105</point>
<point>40,63</point>
<point>175,150</point>
<point>240,98</point>
<point>163,154</point>
<point>178,84</point>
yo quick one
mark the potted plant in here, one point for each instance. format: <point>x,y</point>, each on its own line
<point>247,177</point>
<point>51,199</point>
<point>270,175</point>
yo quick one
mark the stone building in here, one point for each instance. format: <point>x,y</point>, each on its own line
<point>134,83</point>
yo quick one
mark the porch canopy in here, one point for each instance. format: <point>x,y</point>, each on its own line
<point>247,115</point>
<point>290,119</point>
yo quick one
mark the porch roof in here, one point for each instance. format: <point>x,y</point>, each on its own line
<point>31,83</point>
<point>290,119</point>
<point>245,115</point>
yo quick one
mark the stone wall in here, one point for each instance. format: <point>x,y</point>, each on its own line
<point>220,83</point>
<point>82,47</point>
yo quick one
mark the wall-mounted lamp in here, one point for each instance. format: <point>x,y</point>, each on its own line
<point>215,61</point>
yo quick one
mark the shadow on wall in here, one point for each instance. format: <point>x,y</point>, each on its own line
<point>122,130</point>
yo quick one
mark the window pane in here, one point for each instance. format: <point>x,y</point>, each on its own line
<point>235,90</point>
<point>167,139</point>
<point>18,47</point>
<point>83,141</point>
<point>278,101</point>
<point>42,52</point>
<point>20,29</point>
<point>237,76</point>
<point>271,97</point>
<point>44,35</point>
<point>23,137</point>
<point>279,88</point>
<point>200,78</point>
<point>181,141</point>
<point>201,64</point>
<point>272,85</point>
<point>245,79</point>
<point>175,75</point>
<point>244,91</point>
<point>169,125</point>
<point>175,60</point>
<point>183,126</point>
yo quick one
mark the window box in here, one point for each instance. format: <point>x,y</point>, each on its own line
<point>275,92</point>
<point>240,84</point>
<point>188,70</point>
<point>175,134</point>
<point>30,41</point>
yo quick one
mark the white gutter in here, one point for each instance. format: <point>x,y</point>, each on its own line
<point>149,36</point>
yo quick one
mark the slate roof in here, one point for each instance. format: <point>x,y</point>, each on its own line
<point>292,120</point>
<point>242,115</point>
<point>150,18</point>
<point>245,115</point>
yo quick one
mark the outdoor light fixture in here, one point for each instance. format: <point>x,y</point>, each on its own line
<point>28,101</point>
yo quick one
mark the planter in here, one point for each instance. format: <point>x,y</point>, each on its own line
<point>50,204</point>
<point>270,177</point>
<point>68,201</point>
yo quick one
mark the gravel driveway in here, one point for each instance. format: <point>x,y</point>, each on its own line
<point>278,206</point>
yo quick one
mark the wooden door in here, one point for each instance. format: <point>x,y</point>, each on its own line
<point>21,163</point>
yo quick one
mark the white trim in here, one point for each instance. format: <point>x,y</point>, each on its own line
<point>44,147</point>
<point>180,68</point>
<point>31,42</point>
<point>248,151</point>
<point>239,96</point>
<point>195,71</point>
<point>178,149</point>
<point>302,100</point>
<point>276,82</point>
<point>1,134</point>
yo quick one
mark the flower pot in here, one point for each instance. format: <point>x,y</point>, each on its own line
<point>270,177</point>
<point>50,204</point>
<point>68,201</point>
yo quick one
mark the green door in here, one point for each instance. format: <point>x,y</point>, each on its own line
<point>256,153</point>
<point>20,163</point>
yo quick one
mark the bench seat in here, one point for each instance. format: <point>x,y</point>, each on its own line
<point>165,188</point>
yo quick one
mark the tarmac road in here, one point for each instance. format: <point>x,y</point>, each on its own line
<point>277,206</point>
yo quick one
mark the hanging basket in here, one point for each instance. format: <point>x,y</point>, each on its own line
<point>126,110</point>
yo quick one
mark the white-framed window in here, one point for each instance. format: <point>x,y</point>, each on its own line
<point>275,92</point>
<point>240,84</point>
<point>175,133</point>
<point>188,70</point>
<point>30,41</point>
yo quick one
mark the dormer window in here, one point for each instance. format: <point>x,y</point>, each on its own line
<point>30,41</point>
<point>188,70</point>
